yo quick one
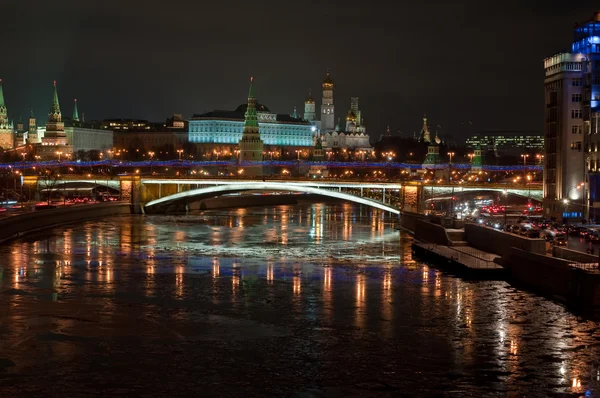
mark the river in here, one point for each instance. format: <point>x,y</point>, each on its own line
<point>307,300</point>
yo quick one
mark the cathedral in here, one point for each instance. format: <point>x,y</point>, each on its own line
<point>353,135</point>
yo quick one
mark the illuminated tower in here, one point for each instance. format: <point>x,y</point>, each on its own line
<point>55,128</point>
<point>309,108</point>
<point>355,110</point>
<point>477,161</point>
<point>425,134</point>
<point>327,109</point>
<point>251,146</point>
<point>32,135</point>
<point>75,111</point>
<point>6,127</point>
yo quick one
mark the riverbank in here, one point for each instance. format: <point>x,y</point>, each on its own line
<point>568,276</point>
<point>19,225</point>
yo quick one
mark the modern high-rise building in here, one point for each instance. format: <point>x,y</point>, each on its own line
<point>572,133</point>
<point>327,108</point>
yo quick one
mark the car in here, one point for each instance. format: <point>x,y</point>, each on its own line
<point>560,240</point>
<point>593,236</point>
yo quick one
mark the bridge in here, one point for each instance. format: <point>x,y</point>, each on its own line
<point>158,192</point>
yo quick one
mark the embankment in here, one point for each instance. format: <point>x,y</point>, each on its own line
<point>19,225</point>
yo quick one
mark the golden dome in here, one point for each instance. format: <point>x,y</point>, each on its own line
<point>327,82</point>
<point>350,116</point>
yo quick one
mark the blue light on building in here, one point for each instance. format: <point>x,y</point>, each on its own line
<point>225,127</point>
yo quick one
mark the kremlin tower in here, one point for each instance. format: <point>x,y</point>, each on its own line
<point>32,135</point>
<point>251,146</point>
<point>75,111</point>
<point>6,127</point>
<point>55,128</point>
<point>327,109</point>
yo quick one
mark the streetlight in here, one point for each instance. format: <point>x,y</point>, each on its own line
<point>505,192</point>
<point>59,153</point>
<point>524,156</point>
<point>151,154</point>
<point>540,158</point>
<point>450,154</point>
<point>180,153</point>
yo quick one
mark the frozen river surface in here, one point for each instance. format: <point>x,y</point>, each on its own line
<point>311,300</point>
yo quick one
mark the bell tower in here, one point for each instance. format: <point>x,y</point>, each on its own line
<point>327,109</point>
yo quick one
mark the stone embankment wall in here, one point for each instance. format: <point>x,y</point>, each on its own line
<point>408,220</point>
<point>498,242</point>
<point>573,255</point>
<point>16,226</point>
<point>432,233</point>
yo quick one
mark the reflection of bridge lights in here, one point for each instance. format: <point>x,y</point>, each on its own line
<point>360,289</point>
<point>387,281</point>
<point>270,273</point>
<point>576,382</point>
<point>327,279</point>
<point>297,283</point>
<point>513,347</point>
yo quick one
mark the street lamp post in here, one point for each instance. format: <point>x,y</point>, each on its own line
<point>151,154</point>
<point>450,154</point>
<point>524,156</point>
<point>505,192</point>
<point>180,153</point>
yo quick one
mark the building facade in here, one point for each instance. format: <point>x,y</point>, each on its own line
<point>225,128</point>
<point>572,131</point>
<point>507,142</point>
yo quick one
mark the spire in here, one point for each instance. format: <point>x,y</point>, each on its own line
<point>388,132</point>
<point>32,115</point>
<point>1,95</point>
<point>251,90</point>
<point>55,114</point>
<point>251,117</point>
<point>75,111</point>
<point>294,115</point>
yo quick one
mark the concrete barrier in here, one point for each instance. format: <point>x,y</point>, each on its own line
<point>493,241</point>
<point>541,272</point>
<point>432,233</point>
<point>573,255</point>
<point>408,220</point>
<point>16,226</point>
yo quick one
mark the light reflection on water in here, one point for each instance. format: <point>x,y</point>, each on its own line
<point>341,267</point>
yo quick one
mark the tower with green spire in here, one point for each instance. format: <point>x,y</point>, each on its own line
<point>75,111</point>
<point>318,153</point>
<point>6,127</point>
<point>55,128</point>
<point>251,145</point>
<point>477,162</point>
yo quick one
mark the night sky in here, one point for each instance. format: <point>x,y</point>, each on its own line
<point>149,59</point>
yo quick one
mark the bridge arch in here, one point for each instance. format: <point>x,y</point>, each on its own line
<point>201,193</point>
